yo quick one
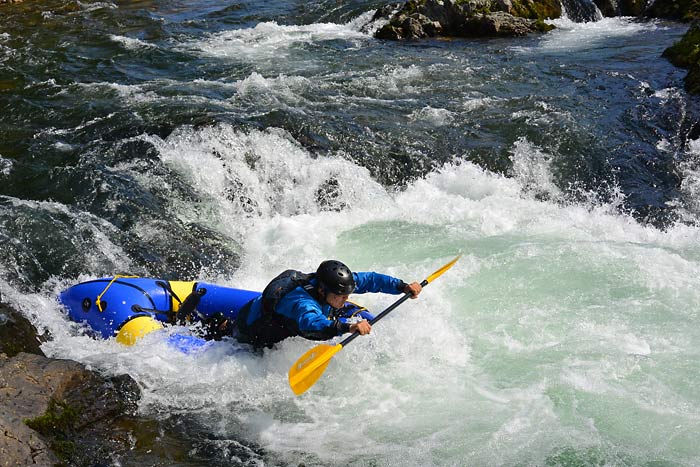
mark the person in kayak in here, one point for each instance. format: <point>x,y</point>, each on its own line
<point>298,304</point>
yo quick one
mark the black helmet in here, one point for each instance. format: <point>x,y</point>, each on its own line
<point>335,277</point>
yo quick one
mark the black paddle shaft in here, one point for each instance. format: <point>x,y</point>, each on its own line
<point>391,308</point>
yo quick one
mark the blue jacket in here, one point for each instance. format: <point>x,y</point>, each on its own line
<point>312,318</point>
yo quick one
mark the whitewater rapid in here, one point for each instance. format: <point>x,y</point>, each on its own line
<point>564,326</point>
<point>566,335</point>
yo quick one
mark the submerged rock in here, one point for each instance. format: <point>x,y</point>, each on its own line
<point>16,333</point>
<point>686,54</point>
<point>461,18</point>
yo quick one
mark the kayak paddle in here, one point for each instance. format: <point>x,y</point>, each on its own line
<point>310,366</point>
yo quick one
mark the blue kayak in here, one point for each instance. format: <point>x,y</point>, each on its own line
<point>129,307</point>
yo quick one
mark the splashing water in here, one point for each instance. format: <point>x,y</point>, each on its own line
<point>567,333</point>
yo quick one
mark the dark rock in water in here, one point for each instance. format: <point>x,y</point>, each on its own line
<point>418,19</point>
<point>328,196</point>
<point>581,11</point>
<point>686,54</point>
<point>17,334</point>
<point>632,7</point>
<point>386,12</point>
<point>608,7</point>
<point>678,10</point>
<point>611,8</point>
<point>56,410</point>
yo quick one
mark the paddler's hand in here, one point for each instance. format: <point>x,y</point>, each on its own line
<point>414,288</point>
<point>363,327</point>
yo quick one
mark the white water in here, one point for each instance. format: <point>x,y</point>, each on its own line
<point>562,329</point>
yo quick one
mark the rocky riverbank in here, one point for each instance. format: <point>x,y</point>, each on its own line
<point>685,53</point>
<point>418,19</point>
<point>57,412</point>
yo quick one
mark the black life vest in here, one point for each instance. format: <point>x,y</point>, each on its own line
<point>273,327</point>
<point>282,285</point>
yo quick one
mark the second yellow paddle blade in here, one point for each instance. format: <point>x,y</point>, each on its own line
<point>442,270</point>
<point>310,366</point>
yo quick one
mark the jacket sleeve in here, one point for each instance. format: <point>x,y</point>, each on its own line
<point>374,282</point>
<point>307,313</point>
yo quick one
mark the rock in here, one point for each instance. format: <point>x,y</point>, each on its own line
<point>686,54</point>
<point>581,11</point>
<point>19,444</point>
<point>536,9</point>
<point>632,7</point>
<point>607,7</point>
<point>679,10</point>
<point>418,19</point>
<point>498,24</point>
<point>329,196</point>
<point>389,32</point>
<point>385,12</point>
<point>17,334</point>
<point>56,410</point>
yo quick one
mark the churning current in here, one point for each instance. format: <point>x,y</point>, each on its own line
<point>229,141</point>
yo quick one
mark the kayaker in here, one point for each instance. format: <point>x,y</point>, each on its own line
<point>298,304</point>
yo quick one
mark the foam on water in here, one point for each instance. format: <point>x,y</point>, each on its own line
<point>271,41</point>
<point>562,327</point>
<point>131,43</point>
<point>5,166</point>
<point>570,36</point>
<point>284,91</point>
<point>432,116</point>
<point>566,329</point>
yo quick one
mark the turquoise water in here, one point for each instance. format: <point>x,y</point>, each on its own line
<point>226,142</point>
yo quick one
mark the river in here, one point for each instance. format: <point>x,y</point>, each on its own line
<point>227,141</point>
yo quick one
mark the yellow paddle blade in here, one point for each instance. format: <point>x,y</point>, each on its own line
<point>440,271</point>
<point>310,366</point>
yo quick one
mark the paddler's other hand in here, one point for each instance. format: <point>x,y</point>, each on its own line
<point>414,288</point>
<point>363,327</point>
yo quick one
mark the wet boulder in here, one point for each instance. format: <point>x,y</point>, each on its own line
<point>581,11</point>
<point>678,10</point>
<point>418,19</point>
<point>17,334</point>
<point>56,410</point>
<point>686,54</point>
<point>498,24</point>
